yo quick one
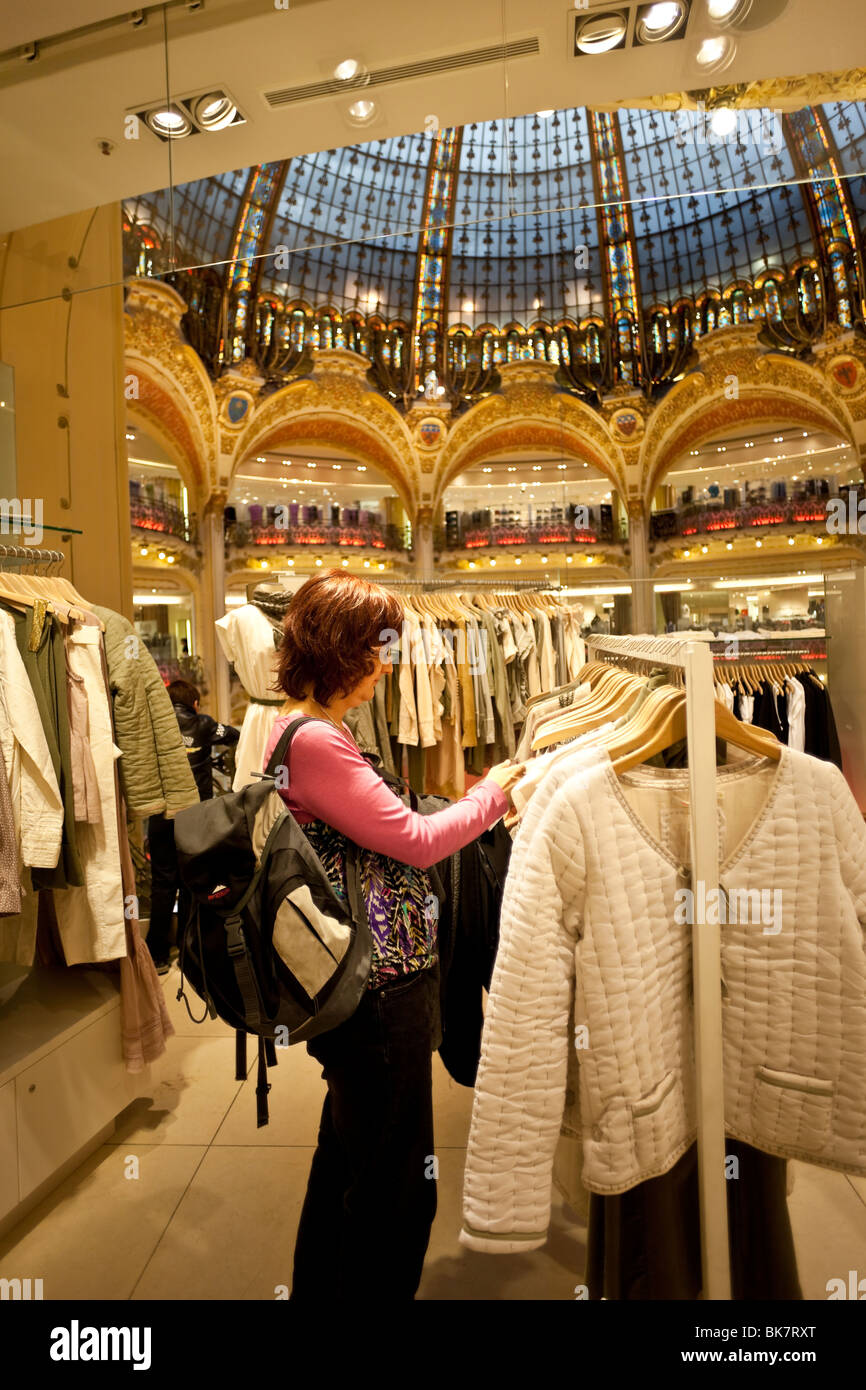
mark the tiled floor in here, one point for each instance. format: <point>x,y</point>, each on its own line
<point>213,1209</point>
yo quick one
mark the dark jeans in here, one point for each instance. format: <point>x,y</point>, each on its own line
<point>164,885</point>
<point>371,1195</point>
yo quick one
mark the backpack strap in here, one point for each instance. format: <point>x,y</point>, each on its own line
<point>280,754</point>
<point>240,1055</point>
<point>262,1087</point>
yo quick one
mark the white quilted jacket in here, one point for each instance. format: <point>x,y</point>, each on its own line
<point>588,918</point>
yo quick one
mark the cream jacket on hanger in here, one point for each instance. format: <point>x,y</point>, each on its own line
<point>590,915</point>
<point>91,919</point>
<point>36,805</point>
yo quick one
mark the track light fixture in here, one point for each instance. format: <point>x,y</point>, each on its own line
<point>600,33</point>
<point>660,21</point>
<point>208,112</point>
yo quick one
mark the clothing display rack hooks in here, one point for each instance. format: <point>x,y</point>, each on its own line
<point>27,555</point>
<point>694,660</point>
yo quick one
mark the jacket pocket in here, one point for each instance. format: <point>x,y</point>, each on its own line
<point>792,1109</point>
<point>651,1102</point>
<point>659,1124</point>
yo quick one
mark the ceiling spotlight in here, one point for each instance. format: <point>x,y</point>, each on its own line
<point>716,53</point>
<point>352,73</point>
<point>728,11</point>
<point>345,564</point>
<point>545,115</point>
<point>600,33</point>
<point>215,111</point>
<point>168,122</point>
<point>361,112</point>
<point>661,21</point>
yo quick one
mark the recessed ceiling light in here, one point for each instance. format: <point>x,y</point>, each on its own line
<point>169,122</point>
<point>716,53</point>
<point>544,115</point>
<point>345,71</point>
<point>728,11</point>
<point>660,21</point>
<point>361,112</point>
<point>600,33</point>
<point>215,111</point>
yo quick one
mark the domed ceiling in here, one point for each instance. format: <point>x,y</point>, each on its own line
<point>552,216</point>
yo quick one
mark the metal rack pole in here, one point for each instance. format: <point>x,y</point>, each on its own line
<point>694,659</point>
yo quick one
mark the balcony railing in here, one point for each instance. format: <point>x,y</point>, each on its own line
<point>162,517</point>
<point>706,519</point>
<point>513,537</point>
<point>241,533</point>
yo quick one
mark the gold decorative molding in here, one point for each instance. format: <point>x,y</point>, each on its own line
<point>778,93</point>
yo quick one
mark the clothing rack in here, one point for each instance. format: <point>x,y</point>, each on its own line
<point>694,660</point>
<point>27,555</point>
<point>427,586</point>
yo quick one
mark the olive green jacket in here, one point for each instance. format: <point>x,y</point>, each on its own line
<point>154,769</point>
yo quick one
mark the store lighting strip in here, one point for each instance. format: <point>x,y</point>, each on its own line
<point>783,581</point>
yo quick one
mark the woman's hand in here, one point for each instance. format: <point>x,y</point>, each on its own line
<point>506,775</point>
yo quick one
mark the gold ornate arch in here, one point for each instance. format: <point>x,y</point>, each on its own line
<point>337,409</point>
<point>166,384</point>
<point>531,415</point>
<point>156,410</point>
<point>737,385</point>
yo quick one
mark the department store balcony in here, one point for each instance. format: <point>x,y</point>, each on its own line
<point>255,538</point>
<point>158,522</point>
<point>713,520</point>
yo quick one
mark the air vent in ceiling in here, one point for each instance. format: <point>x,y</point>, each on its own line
<point>427,67</point>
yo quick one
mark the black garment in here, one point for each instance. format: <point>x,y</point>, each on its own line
<point>164,886</point>
<point>200,732</point>
<point>821,739</point>
<point>468,941</point>
<point>371,1194</point>
<point>646,1244</point>
<point>771,712</point>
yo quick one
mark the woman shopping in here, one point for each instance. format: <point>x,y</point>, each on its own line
<point>371,1195</point>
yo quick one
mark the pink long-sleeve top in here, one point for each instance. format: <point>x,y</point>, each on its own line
<point>330,781</point>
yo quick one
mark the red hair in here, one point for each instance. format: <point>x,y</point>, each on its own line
<point>332,626</point>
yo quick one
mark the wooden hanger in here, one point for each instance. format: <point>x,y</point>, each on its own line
<point>606,702</point>
<point>668,726</point>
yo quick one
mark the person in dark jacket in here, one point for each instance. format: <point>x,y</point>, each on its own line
<point>200,733</point>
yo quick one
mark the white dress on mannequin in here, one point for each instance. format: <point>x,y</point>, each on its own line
<point>247,638</point>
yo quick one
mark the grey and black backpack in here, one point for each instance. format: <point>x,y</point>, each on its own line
<point>266,943</point>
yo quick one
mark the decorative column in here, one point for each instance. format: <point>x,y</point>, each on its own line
<point>423,544</point>
<point>213,591</point>
<point>643,609</point>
